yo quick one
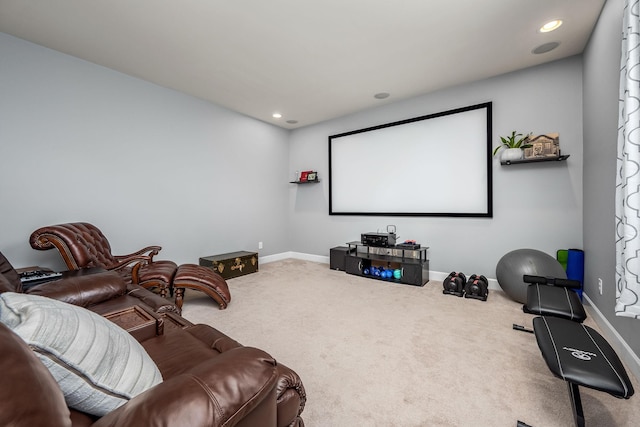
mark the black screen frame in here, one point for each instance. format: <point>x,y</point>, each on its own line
<point>485,212</point>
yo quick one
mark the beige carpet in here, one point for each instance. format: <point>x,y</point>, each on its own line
<point>371,353</point>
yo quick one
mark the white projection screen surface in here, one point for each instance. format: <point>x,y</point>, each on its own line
<point>434,165</point>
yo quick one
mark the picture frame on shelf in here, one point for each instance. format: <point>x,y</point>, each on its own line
<point>543,146</point>
<point>303,176</point>
<point>312,176</point>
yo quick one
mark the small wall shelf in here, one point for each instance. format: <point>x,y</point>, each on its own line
<point>315,181</point>
<point>554,159</point>
<point>306,177</point>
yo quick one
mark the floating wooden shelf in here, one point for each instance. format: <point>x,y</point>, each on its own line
<point>305,182</point>
<point>543,159</point>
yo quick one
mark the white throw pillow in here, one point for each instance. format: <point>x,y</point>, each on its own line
<point>98,365</point>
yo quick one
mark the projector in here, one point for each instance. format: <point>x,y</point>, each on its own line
<point>382,240</point>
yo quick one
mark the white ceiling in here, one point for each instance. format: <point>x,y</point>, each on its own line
<point>310,60</point>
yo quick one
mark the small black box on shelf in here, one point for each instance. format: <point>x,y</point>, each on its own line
<point>408,246</point>
<point>337,257</point>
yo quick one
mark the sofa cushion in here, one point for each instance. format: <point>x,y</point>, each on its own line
<point>97,364</point>
<point>83,290</point>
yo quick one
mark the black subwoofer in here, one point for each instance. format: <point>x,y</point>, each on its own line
<point>337,257</point>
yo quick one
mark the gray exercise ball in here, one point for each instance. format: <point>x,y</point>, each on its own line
<point>516,264</point>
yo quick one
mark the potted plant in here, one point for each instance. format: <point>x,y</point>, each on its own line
<point>513,146</point>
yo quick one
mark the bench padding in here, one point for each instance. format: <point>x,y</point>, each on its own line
<point>580,355</point>
<point>556,301</point>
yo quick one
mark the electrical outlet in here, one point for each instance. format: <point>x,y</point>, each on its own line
<point>600,285</point>
<point>260,247</point>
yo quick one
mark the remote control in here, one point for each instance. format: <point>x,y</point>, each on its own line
<point>38,275</point>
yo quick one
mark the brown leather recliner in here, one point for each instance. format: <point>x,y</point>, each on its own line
<point>83,245</point>
<point>235,389</point>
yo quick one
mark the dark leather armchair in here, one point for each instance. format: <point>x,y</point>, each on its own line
<point>82,245</point>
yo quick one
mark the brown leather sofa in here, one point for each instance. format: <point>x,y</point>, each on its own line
<point>209,379</point>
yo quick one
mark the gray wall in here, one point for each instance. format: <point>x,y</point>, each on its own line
<point>535,205</point>
<point>146,164</point>
<point>601,80</point>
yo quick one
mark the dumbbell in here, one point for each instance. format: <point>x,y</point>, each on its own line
<point>454,284</point>
<point>477,287</point>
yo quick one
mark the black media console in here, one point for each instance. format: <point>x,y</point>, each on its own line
<point>361,260</point>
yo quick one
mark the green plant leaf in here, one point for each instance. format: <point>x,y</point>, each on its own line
<point>515,140</point>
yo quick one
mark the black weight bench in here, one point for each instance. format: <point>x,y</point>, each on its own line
<point>548,296</point>
<point>582,357</point>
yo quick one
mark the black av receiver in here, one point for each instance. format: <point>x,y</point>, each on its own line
<point>383,240</point>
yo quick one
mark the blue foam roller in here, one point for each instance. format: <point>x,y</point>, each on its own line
<point>575,267</point>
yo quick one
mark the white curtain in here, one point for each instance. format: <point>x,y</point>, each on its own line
<point>628,169</point>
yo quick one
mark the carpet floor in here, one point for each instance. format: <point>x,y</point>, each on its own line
<point>372,353</point>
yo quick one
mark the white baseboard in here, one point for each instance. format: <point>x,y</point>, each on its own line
<point>273,258</point>
<point>440,276</point>
<point>296,255</point>
<point>631,360</point>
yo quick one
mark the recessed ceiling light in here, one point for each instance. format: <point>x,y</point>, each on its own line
<point>381,95</point>
<point>276,115</point>
<point>544,48</point>
<point>550,26</point>
<point>292,122</point>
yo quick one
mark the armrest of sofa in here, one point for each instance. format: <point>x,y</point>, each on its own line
<point>290,392</point>
<point>290,395</point>
<point>213,338</point>
<point>83,290</point>
<point>154,301</point>
<point>144,255</point>
<point>221,391</point>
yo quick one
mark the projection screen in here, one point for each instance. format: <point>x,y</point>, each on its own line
<point>433,165</point>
